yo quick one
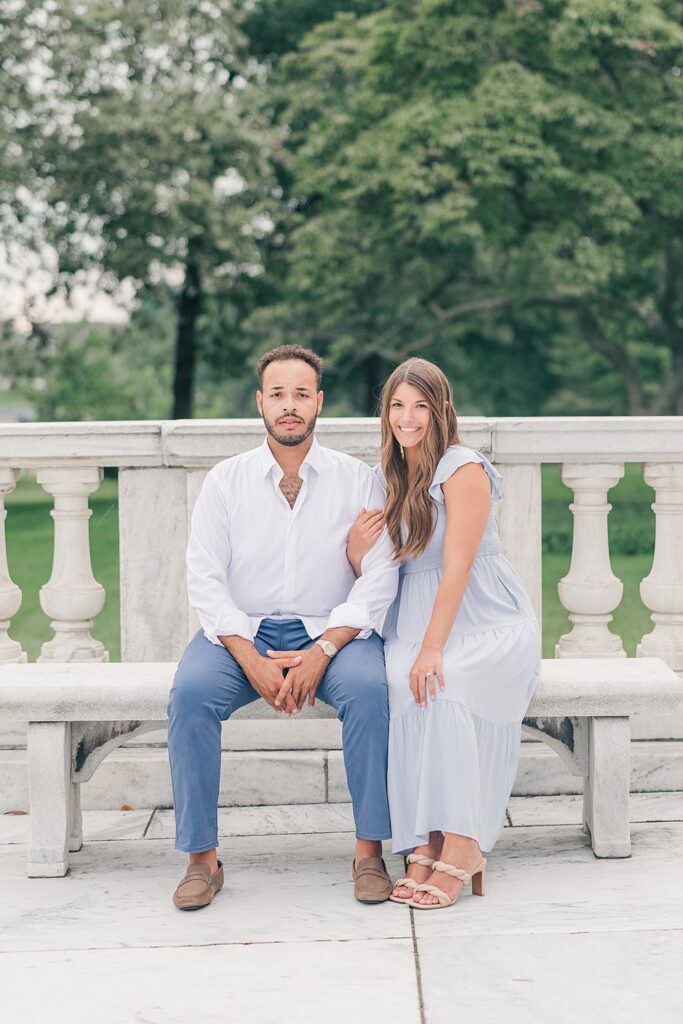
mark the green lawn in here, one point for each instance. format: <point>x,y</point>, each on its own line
<point>29,549</point>
<point>631,619</point>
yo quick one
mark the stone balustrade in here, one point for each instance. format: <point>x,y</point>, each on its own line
<point>72,596</point>
<point>162,465</point>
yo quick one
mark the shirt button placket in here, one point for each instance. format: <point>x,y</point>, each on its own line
<point>288,571</point>
<point>289,582</point>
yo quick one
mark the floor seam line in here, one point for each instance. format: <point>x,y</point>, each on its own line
<point>418,970</point>
<point>154,811</point>
<point>225,835</point>
<point>199,945</point>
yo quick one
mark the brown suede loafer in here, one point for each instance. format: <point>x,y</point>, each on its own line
<point>371,882</point>
<point>198,887</point>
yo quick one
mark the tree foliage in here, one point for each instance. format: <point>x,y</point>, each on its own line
<point>481,181</point>
<point>494,185</point>
<point>152,152</point>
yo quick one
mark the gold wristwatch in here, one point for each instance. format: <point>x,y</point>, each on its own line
<point>328,647</point>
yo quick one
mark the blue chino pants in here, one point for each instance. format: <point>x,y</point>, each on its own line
<point>209,685</point>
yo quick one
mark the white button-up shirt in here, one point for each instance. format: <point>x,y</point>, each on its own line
<point>250,556</point>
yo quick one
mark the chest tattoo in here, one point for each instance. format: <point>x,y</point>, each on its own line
<point>290,485</point>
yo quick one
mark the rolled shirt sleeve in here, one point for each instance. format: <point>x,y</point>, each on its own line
<point>208,558</point>
<point>372,593</point>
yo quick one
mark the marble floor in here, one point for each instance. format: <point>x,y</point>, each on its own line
<point>559,933</point>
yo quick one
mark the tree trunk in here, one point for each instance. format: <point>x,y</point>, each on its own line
<point>189,308</point>
<point>374,378</point>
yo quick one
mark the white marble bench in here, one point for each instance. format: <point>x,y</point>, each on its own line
<point>78,712</point>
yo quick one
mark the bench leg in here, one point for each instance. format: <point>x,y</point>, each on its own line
<point>587,800</point>
<point>49,773</point>
<point>606,788</point>
<point>76,832</point>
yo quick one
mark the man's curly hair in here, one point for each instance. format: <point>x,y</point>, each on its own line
<point>291,352</point>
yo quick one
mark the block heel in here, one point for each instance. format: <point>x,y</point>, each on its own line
<point>478,881</point>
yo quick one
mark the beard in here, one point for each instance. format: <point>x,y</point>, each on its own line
<point>290,440</point>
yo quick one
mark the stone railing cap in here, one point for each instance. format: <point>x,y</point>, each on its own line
<point>506,439</point>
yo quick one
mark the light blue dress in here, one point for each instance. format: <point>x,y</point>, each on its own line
<point>452,764</point>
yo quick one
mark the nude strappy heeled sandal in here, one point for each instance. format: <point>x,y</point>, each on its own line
<point>410,883</point>
<point>477,879</point>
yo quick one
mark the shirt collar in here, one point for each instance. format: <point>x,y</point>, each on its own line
<point>313,459</point>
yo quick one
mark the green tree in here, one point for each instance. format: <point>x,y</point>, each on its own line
<point>141,148</point>
<point>154,158</point>
<point>19,219</point>
<point>276,27</point>
<point>487,181</point>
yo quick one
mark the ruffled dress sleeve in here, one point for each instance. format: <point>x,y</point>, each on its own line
<point>456,456</point>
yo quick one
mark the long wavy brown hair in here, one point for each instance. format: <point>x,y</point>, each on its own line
<point>416,506</point>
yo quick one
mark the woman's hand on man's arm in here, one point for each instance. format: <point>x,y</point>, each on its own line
<point>363,535</point>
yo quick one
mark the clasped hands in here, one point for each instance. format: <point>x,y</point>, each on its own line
<point>286,678</point>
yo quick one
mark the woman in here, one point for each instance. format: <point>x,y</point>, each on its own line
<point>462,642</point>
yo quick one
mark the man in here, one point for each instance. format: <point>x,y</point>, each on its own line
<point>284,618</point>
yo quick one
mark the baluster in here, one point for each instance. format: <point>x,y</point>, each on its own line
<point>72,596</point>
<point>10,594</point>
<point>662,590</point>
<point>590,591</point>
